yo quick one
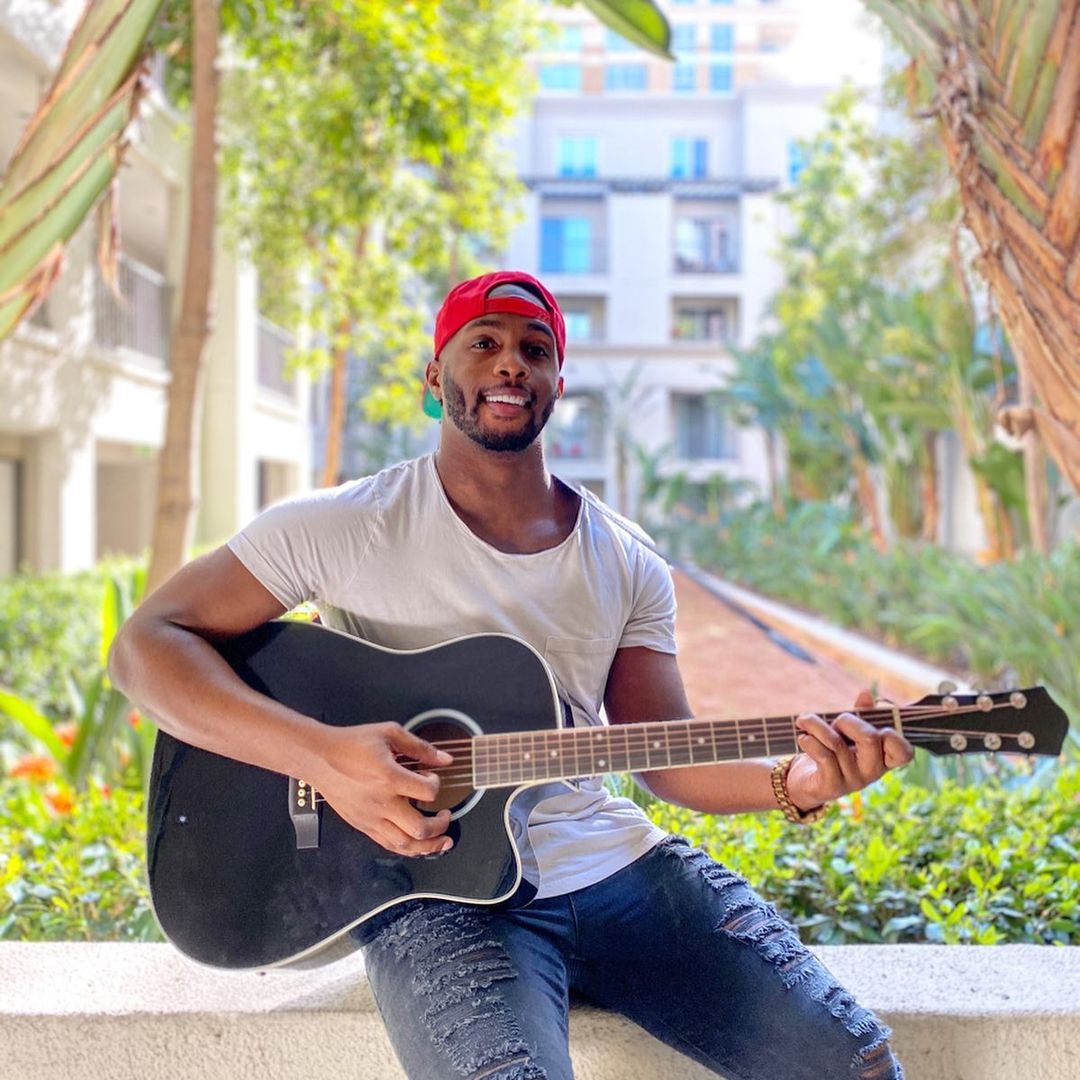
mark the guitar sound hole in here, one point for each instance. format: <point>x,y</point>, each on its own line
<point>456,792</point>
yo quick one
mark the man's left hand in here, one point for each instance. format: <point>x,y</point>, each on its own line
<point>843,756</point>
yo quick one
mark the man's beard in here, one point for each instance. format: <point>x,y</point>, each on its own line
<point>467,422</point>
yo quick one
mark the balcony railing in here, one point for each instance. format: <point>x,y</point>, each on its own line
<point>273,343</point>
<point>140,321</point>
<point>687,264</point>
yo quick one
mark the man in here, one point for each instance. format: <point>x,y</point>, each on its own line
<point>480,537</point>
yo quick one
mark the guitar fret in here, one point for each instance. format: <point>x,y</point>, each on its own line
<point>765,726</point>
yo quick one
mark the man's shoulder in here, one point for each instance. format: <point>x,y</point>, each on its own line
<point>609,520</point>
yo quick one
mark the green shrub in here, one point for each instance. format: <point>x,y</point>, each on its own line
<point>50,626</point>
<point>898,863</point>
<point>72,865</point>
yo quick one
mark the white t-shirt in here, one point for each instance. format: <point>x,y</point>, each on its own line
<point>387,559</point>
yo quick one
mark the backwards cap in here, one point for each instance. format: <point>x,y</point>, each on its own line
<point>506,291</point>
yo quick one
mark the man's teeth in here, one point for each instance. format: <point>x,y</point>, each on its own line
<point>506,399</point>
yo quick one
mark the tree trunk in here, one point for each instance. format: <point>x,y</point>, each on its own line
<point>178,474</point>
<point>867,497</point>
<point>1034,473</point>
<point>931,508</point>
<point>775,494</point>
<point>335,421</point>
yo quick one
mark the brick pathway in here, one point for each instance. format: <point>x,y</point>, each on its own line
<point>732,668</point>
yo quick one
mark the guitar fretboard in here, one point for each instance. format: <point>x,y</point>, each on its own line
<point>518,758</point>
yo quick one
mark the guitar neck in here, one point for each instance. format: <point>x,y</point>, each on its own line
<point>509,759</point>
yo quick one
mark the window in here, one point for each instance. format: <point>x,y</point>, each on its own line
<point>578,325</point>
<point>584,317</point>
<point>704,245</point>
<point>796,156</point>
<point>702,432</point>
<point>701,321</point>
<point>684,78</point>
<point>689,158</point>
<point>577,155</point>
<point>624,77</point>
<point>563,39</point>
<point>576,429</point>
<point>566,245</point>
<point>617,43</point>
<point>722,38</point>
<point>684,37</point>
<point>721,78</point>
<point>560,76</point>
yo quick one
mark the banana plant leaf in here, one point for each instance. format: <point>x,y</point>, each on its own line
<point>1003,80</point>
<point>639,21</point>
<point>70,151</point>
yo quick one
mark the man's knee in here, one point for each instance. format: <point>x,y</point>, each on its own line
<point>456,967</point>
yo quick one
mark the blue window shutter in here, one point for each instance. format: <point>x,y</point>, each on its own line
<point>551,244</point>
<point>701,158</point>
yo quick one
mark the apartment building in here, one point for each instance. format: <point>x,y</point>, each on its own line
<point>84,381</point>
<point>651,212</point>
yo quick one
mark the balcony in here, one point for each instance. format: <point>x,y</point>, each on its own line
<point>139,320</point>
<point>273,345</point>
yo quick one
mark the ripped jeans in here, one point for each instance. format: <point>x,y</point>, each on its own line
<point>675,942</point>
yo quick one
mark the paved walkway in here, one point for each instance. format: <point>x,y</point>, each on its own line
<point>734,668</point>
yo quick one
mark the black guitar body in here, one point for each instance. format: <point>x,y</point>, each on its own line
<point>229,883</point>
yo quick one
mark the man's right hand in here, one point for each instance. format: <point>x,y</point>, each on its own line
<point>370,789</point>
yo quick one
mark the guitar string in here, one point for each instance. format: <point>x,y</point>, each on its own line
<point>461,768</point>
<point>461,771</point>
<point>728,732</point>
<point>885,717</point>
<point>743,728</point>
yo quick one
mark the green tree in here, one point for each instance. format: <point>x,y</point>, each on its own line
<point>362,154</point>
<point>875,337</point>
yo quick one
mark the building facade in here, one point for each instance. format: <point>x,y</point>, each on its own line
<point>651,212</point>
<point>84,381</point>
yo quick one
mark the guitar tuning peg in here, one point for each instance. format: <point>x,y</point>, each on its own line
<point>946,687</point>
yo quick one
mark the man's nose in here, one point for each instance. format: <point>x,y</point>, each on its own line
<point>511,363</point>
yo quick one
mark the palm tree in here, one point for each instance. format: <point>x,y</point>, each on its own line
<point>1003,79</point>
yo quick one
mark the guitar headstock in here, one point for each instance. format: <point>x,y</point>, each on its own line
<point>1010,722</point>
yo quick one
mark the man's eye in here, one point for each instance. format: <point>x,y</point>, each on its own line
<point>539,350</point>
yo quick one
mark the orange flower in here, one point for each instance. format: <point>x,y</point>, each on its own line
<point>60,801</point>
<point>856,805</point>
<point>134,719</point>
<point>66,733</point>
<point>36,767</point>
<point>106,791</point>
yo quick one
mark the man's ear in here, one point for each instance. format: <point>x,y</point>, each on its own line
<point>433,378</point>
<point>559,388</point>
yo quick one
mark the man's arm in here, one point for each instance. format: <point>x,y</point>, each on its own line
<point>163,660</point>
<point>644,684</point>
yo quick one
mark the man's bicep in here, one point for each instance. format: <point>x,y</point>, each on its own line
<point>645,684</point>
<point>215,596</point>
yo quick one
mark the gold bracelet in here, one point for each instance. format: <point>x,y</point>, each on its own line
<point>779,785</point>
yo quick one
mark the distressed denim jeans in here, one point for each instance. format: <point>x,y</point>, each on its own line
<point>675,942</point>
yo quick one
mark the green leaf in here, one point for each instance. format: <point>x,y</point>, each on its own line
<point>35,725</point>
<point>639,21</point>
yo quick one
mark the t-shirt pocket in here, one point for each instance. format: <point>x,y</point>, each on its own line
<point>580,667</point>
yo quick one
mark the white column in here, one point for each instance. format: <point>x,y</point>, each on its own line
<point>229,483</point>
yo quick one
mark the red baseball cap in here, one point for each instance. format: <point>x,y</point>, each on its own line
<point>486,295</point>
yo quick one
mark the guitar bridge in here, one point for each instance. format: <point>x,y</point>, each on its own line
<point>303,813</point>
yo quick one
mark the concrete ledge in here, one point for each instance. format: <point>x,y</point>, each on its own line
<point>123,1012</point>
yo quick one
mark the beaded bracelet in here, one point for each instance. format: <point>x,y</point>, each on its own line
<point>791,811</point>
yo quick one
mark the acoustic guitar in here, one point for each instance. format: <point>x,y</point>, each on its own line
<point>251,869</point>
